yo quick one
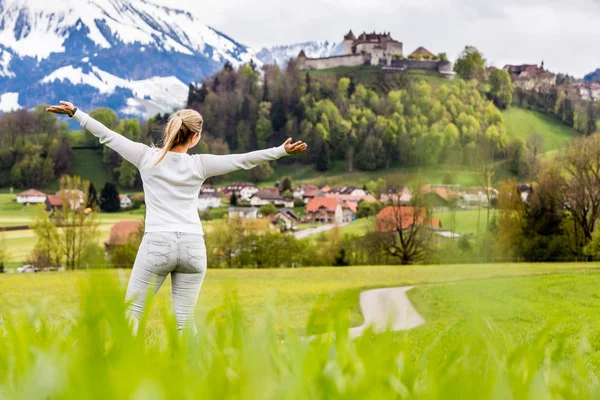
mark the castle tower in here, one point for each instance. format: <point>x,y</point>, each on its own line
<point>348,42</point>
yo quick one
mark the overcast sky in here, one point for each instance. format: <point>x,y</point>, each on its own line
<point>565,34</point>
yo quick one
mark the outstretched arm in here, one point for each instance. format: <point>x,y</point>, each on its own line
<point>128,149</point>
<point>212,165</point>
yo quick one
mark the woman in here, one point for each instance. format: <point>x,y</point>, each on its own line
<point>174,241</point>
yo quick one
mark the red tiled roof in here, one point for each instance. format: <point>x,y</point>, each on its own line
<point>350,205</point>
<point>390,217</point>
<point>121,231</point>
<point>317,203</point>
<point>31,193</point>
<point>422,51</point>
<point>55,201</point>
<point>443,192</point>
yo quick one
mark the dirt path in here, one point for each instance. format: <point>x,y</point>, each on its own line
<point>387,308</point>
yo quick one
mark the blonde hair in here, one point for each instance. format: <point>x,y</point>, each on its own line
<point>181,127</point>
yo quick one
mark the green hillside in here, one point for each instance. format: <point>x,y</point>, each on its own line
<point>88,165</point>
<point>521,123</point>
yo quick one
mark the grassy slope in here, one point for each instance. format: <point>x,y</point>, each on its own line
<point>511,311</point>
<point>296,290</point>
<point>521,123</point>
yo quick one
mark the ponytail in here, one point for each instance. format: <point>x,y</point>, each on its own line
<point>181,127</point>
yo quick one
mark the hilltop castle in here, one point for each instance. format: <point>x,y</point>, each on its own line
<point>378,49</point>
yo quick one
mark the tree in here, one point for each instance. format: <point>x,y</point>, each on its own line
<point>286,184</point>
<point>470,64</point>
<point>233,201</point>
<point>323,158</point>
<point>78,228</point>
<point>403,232</point>
<point>368,209</point>
<point>127,174</point>
<point>544,237</point>
<point>535,143</point>
<point>377,187</point>
<point>264,128</point>
<point>581,186</point>
<point>267,209</point>
<point>92,199</point>
<point>4,254</point>
<point>47,250</point>
<point>123,256</point>
<point>225,241</point>
<point>261,172</point>
<point>501,88</point>
<point>109,198</point>
<point>106,117</point>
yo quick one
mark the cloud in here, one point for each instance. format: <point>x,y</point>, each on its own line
<point>563,34</point>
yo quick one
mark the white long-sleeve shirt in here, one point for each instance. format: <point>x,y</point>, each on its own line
<point>171,188</point>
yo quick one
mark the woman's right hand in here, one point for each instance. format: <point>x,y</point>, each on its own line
<point>294,148</point>
<point>64,108</point>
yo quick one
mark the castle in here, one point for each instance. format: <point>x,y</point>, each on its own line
<point>379,50</point>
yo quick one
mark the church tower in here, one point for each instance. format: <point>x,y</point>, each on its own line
<point>348,42</point>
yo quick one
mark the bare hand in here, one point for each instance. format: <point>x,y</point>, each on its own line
<point>64,108</point>
<point>294,148</point>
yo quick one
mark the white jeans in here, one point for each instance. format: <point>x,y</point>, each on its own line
<point>183,255</point>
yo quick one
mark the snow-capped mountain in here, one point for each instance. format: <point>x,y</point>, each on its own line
<point>135,57</point>
<point>281,54</point>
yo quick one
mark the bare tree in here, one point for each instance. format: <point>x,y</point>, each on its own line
<point>535,143</point>
<point>404,231</point>
<point>78,228</point>
<point>486,176</point>
<point>581,167</point>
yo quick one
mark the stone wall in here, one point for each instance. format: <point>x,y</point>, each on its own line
<point>353,60</point>
<point>428,65</point>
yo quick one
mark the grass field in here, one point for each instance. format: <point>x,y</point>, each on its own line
<point>466,222</point>
<point>521,123</point>
<point>519,331</point>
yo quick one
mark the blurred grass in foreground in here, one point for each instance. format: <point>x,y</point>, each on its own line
<point>94,355</point>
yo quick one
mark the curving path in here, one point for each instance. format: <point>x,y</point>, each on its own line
<point>387,308</point>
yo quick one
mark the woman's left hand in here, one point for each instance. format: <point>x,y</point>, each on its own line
<point>294,148</point>
<point>64,108</point>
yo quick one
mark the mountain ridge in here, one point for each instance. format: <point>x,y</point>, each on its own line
<point>92,52</point>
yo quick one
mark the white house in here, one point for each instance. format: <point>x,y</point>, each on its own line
<point>208,200</point>
<point>474,196</point>
<point>396,195</point>
<point>243,190</point>
<point>353,191</point>
<point>243,212</point>
<point>264,197</point>
<point>31,196</point>
<point>75,197</point>
<point>126,202</point>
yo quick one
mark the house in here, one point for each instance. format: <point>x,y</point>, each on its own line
<point>421,53</point>
<point>477,196</point>
<point>209,200</point>
<point>354,199</point>
<point>391,218</point>
<point>243,190</point>
<point>31,196</point>
<point>299,192</point>
<point>243,212</point>
<point>396,195</point>
<point>206,188</point>
<point>526,190</point>
<point>121,233</point>
<point>53,203</point>
<point>126,202</point>
<point>353,191</point>
<point>325,209</point>
<point>531,77</point>
<point>349,210</point>
<point>269,196</point>
<point>75,197</point>
<point>286,219</point>
<point>439,196</point>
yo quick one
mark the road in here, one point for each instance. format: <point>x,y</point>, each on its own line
<point>304,233</point>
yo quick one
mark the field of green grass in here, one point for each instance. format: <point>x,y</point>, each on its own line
<point>466,222</point>
<point>519,331</point>
<point>521,123</point>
